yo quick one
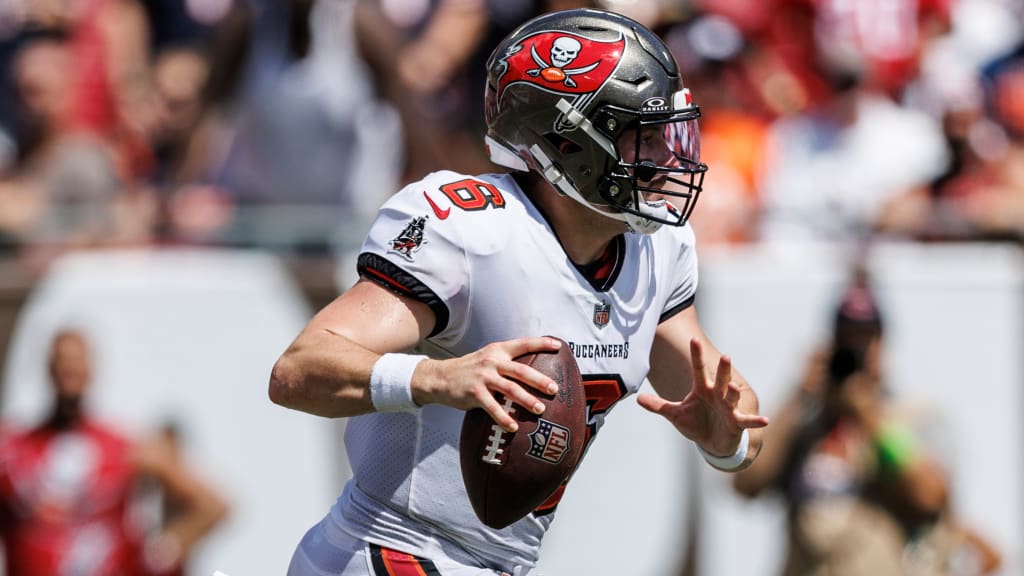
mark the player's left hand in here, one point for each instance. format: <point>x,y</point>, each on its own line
<point>709,414</point>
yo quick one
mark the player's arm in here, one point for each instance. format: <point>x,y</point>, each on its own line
<point>203,508</point>
<point>327,369</point>
<point>699,391</point>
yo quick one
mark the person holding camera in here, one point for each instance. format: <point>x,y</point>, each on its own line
<point>866,492</point>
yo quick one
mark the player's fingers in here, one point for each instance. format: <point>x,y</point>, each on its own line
<point>750,420</point>
<point>700,374</point>
<point>529,376</point>
<point>518,394</point>
<point>723,377</point>
<point>732,394</point>
<point>499,412</point>
<point>519,346</point>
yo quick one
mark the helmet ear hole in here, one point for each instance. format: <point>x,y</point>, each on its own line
<point>563,144</point>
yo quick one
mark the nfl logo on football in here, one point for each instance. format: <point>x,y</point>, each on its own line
<point>549,441</point>
<point>602,312</point>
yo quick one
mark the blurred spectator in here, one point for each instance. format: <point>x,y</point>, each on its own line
<point>981,194</point>
<point>199,93</point>
<point>1005,81</point>
<point>296,148</point>
<point>864,477</point>
<point>183,146</point>
<point>418,52</point>
<point>107,50</point>
<point>715,58</point>
<point>67,488</point>
<point>783,70</point>
<point>829,170</point>
<point>429,60</point>
<point>168,507</point>
<point>67,188</point>
<point>106,40</point>
<point>176,23</point>
<point>880,41</point>
<point>179,75</point>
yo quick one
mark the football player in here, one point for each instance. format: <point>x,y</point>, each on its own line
<point>585,239</point>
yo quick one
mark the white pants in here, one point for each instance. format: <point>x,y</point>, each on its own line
<point>326,550</point>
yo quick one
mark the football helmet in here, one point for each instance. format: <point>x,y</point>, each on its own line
<point>594,103</point>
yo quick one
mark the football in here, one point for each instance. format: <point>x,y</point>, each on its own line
<point>508,475</point>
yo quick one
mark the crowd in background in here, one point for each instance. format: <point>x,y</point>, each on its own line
<point>284,124</point>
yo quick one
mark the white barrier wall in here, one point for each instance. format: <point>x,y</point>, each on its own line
<point>193,336</point>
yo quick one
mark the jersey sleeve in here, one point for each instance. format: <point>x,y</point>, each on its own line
<point>416,252</point>
<point>680,268</point>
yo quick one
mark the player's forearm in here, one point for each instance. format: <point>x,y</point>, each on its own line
<point>325,374</point>
<point>749,404</point>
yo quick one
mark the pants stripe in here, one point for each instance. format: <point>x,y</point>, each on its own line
<point>388,562</point>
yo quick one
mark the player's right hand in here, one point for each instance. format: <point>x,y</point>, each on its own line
<point>471,381</point>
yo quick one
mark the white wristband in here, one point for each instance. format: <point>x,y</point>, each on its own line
<point>391,382</point>
<point>728,463</point>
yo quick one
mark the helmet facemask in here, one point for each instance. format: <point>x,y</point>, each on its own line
<point>647,161</point>
<point>658,174</point>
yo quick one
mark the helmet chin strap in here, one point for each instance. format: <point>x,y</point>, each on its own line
<point>644,224</point>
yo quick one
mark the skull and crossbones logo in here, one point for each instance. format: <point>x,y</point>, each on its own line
<point>564,50</point>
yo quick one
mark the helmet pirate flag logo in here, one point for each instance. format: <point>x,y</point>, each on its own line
<point>561,63</point>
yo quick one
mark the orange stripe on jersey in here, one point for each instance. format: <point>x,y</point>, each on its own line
<point>401,564</point>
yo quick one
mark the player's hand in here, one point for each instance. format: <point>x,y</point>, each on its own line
<point>709,415</point>
<point>471,381</point>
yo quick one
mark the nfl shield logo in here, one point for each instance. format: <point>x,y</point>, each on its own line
<point>549,442</point>
<point>602,311</point>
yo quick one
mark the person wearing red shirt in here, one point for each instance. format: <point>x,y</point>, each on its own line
<point>68,485</point>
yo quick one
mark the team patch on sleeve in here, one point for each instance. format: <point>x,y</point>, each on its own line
<point>389,275</point>
<point>410,239</point>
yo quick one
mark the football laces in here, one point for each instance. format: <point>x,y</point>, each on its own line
<point>497,438</point>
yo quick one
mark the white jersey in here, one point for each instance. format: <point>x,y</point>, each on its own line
<point>485,260</point>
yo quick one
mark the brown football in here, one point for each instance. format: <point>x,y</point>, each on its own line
<point>508,475</point>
